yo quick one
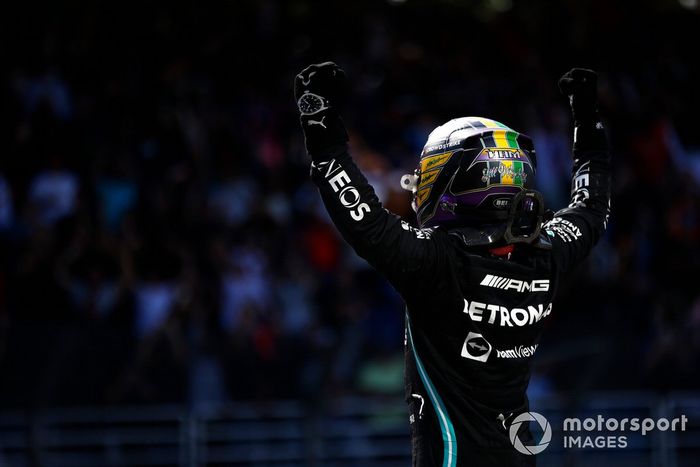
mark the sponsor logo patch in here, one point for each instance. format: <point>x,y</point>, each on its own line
<point>565,230</point>
<point>421,234</point>
<point>502,316</point>
<point>433,162</point>
<point>340,182</point>
<point>520,351</point>
<point>505,283</point>
<point>501,202</point>
<point>476,347</point>
<point>428,178</point>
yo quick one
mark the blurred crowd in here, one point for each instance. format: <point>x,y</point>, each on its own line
<point>160,240</point>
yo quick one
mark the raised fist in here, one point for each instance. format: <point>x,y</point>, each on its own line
<point>318,86</point>
<point>581,87</point>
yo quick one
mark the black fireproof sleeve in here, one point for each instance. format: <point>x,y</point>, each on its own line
<point>575,229</point>
<point>408,256</point>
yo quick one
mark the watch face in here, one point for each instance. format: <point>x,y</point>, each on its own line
<point>310,103</point>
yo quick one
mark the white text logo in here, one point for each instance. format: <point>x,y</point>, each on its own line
<point>502,316</point>
<point>348,195</point>
<point>504,283</point>
<point>521,351</point>
<point>563,229</point>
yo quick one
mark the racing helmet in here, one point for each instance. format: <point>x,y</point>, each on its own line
<point>475,171</point>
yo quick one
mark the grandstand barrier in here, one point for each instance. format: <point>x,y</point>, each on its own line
<point>351,431</point>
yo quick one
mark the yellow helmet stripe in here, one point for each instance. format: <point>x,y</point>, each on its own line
<point>433,162</point>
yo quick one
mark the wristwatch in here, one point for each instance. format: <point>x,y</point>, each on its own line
<point>310,103</point>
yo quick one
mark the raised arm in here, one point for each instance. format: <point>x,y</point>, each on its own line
<point>389,244</point>
<point>577,228</point>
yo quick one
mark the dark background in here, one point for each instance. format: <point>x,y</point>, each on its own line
<point>161,243</point>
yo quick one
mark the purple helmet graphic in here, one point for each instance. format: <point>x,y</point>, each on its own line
<point>470,170</point>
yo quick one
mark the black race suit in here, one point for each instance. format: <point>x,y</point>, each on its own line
<point>473,320</point>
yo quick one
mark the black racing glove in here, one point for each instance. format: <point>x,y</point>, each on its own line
<point>317,91</point>
<point>580,85</point>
